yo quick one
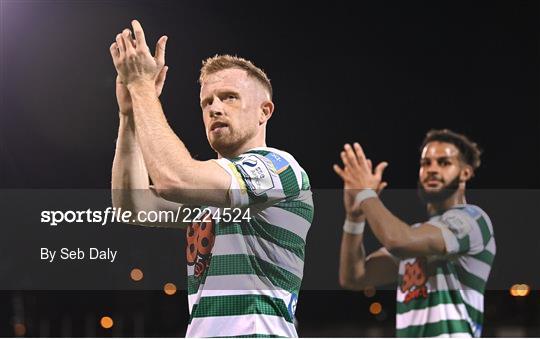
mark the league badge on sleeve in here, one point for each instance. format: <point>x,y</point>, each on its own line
<point>256,174</point>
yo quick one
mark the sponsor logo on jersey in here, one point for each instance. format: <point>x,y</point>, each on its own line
<point>200,239</point>
<point>414,280</point>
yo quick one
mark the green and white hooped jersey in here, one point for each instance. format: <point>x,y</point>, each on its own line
<point>444,295</point>
<point>244,276</point>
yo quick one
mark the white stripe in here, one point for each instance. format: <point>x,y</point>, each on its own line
<point>476,240</point>
<point>475,267</point>
<point>287,220</point>
<point>237,193</point>
<point>473,299</point>
<point>450,240</point>
<point>240,284</point>
<point>488,220</point>
<point>491,246</point>
<point>260,248</point>
<point>454,335</point>
<point>240,325</point>
<point>432,315</point>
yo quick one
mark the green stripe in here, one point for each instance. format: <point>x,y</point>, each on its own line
<point>464,244</point>
<point>235,305</point>
<point>305,182</point>
<point>476,316</point>
<point>464,277</point>
<point>484,229</point>
<point>274,234</point>
<point>233,264</point>
<point>289,183</point>
<point>299,208</point>
<point>438,298</point>
<point>476,283</point>
<point>435,329</point>
<point>485,256</point>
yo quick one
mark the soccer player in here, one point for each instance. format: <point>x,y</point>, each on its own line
<point>441,265</point>
<point>246,253</point>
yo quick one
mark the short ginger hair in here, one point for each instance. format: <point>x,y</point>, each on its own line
<point>221,62</point>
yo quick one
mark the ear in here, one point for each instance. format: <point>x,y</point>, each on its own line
<point>267,109</point>
<point>466,173</point>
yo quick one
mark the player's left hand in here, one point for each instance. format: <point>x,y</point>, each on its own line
<point>133,60</point>
<point>358,173</point>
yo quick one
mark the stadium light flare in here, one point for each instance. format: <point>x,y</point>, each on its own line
<point>520,290</point>
<point>375,308</point>
<point>169,289</point>
<point>106,322</point>
<point>136,274</point>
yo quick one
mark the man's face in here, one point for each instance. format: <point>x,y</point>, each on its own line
<point>440,169</point>
<point>231,103</point>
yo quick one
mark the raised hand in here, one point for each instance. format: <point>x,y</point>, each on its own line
<point>132,58</point>
<point>357,175</point>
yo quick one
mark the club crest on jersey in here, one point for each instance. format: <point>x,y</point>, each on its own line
<point>414,280</point>
<point>200,241</point>
<point>256,174</point>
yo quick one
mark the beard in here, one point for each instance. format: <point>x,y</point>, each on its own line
<point>229,142</point>
<point>438,196</point>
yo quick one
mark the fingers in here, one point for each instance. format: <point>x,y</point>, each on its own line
<point>369,165</point>
<point>351,157</point>
<point>345,159</point>
<point>120,44</point>
<point>160,50</point>
<point>115,53</point>
<point>339,171</point>
<point>380,169</point>
<point>139,34</point>
<point>360,154</point>
<point>160,80</point>
<point>128,41</point>
<point>114,50</point>
<point>381,187</point>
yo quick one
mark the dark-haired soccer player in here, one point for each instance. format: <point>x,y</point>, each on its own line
<point>441,265</point>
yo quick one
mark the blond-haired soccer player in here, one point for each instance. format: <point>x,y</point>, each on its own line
<point>244,270</point>
<point>441,265</point>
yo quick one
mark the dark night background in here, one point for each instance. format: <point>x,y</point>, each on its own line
<point>381,73</point>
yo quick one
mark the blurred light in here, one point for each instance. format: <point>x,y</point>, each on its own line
<point>19,329</point>
<point>520,290</point>
<point>136,274</point>
<point>169,289</point>
<point>106,322</point>
<point>370,291</point>
<point>375,308</point>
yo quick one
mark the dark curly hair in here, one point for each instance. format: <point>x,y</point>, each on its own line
<point>469,151</point>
